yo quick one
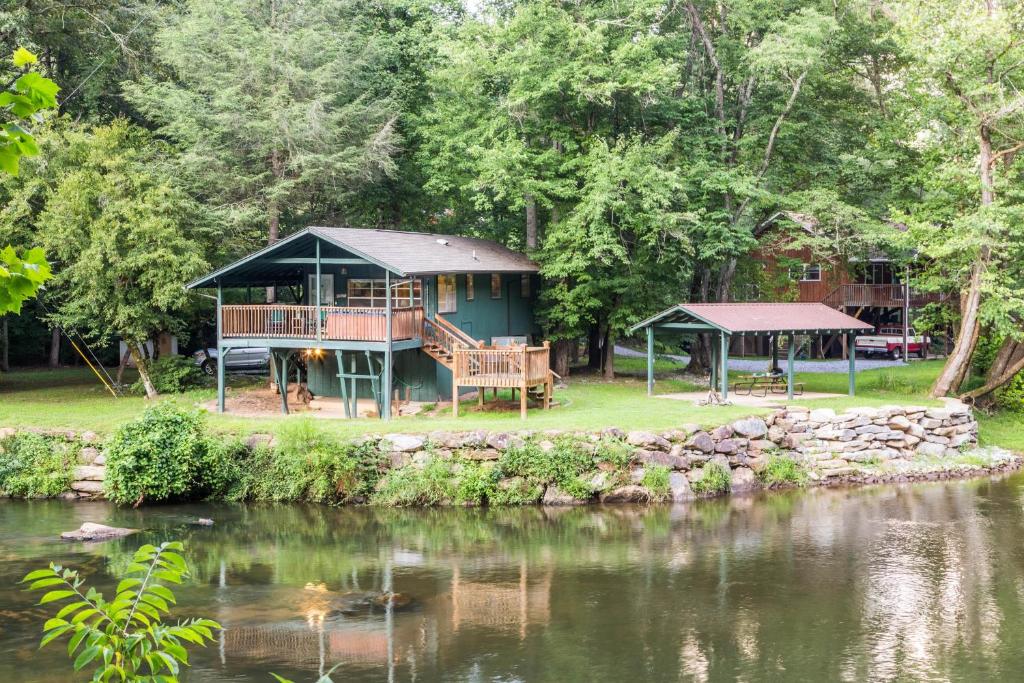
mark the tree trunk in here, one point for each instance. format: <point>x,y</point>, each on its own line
<point>274,213</point>
<point>959,361</point>
<point>54,362</point>
<point>608,357</point>
<point>996,380</point>
<point>560,360</point>
<point>123,364</point>
<point>594,348</point>
<point>140,364</point>
<point>531,223</point>
<point>5,345</point>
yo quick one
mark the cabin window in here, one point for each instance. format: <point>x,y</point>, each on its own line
<point>373,293</point>
<point>495,286</point>
<point>446,294</point>
<point>806,272</point>
<point>470,292</point>
<point>524,286</point>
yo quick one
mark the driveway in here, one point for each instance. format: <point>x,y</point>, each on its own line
<point>756,365</point>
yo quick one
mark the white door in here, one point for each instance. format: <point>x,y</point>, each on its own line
<point>326,289</point>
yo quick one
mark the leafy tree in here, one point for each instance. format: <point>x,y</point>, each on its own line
<point>126,240</point>
<point>273,106</point>
<point>125,638</point>
<point>967,76</point>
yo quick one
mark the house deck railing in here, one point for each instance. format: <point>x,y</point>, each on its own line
<point>882,296</point>
<point>337,323</point>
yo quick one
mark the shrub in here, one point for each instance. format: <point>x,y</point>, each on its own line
<point>561,465</point>
<point>516,491</point>
<point>172,375</point>
<point>430,485</point>
<point>308,464</point>
<point>34,465</point>
<point>780,470</point>
<point>125,637</point>
<point>655,480</point>
<point>615,452</point>
<point>475,483</point>
<point>159,456</point>
<point>714,480</point>
<point>1011,395</point>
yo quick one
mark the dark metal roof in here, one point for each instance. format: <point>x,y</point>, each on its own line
<point>403,253</point>
<point>757,318</point>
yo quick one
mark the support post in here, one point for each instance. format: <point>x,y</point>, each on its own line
<point>220,350</point>
<point>775,353</point>
<point>319,320</point>
<point>851,342</point>
<point>725,365</point>
<point>282,382</point>
<point>789,366</point>
<point>340,356</point>
<point>650,360</point>
<point>387,350</point>
<point>714,362</point>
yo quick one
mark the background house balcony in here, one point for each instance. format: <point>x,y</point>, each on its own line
<point>880,296</point>
<point>337,323</point>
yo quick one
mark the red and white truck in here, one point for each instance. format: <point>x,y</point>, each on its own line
<point>888,341</point>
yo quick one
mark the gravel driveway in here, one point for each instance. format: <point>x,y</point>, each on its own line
<point>754,365</point>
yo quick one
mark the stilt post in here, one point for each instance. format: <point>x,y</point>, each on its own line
<point>650,360</point>
<point>789,366</point>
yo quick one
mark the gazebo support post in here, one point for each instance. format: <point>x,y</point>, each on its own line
<point>714,363</point>
<point>851,338</point>
<point>789,366</point>
<point>650,360</point>
<point>725,365</point>
<point>775,352</point>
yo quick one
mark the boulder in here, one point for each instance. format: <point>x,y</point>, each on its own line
<point>673,462</point>
<point>701,441</point>
<point>631,493</point>
<point>929,449</point>
<point>822,415</point>
<point>400,460</point>
<point>556,496</point>
<point>722,432</point>
<point>679,487</point>
<point>100,460</point>
<point>638,438</point>
<point>91,487</point>
<point>832,463</point>
<point>938,414</point>
<point>598,481</point>
<point>88,455</point>
<point>743,480</point>
<point>499,440</point>
<point>899,422</point>
<point>89,473</point>
<point>96,532</point>
<point>750,427</point>
<point>483,454</point>
<point>727,446</point>
<point>402,443</point>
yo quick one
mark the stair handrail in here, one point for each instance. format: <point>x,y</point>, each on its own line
<point>457,333</point>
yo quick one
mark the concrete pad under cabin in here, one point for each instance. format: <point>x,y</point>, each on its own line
<point>263,402</point>
<point>769,401</point>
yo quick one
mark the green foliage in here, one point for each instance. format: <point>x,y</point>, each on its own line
<point>780,470</point>
<point>431,484</point>
<point>172,375</point>
<point>615,452</point>
<point>475,483</point>
<point>20,277</point>
<point>126,638</point>
<point>714,480</point>
<point>21,100</point>
<point>34,465</point>
<point>1011,395</point>
<point>516,491</point>
<point>309,464</point>
<point>560,465</point>
<point>159,456</point>
<point>655,480</point>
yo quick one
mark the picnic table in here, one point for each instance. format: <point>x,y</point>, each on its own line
<point>765,382</point>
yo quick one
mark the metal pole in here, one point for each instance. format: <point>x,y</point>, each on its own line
<point>387,349</point>
<point>789,366</point>
<point>725,365</point>
<point>906,314</point>
<point>220,349</point>
<point>319,322</point>
<point>650,360</point>
<point>851,343</point>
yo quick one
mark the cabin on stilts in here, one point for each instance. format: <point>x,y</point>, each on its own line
<point>376,314</point>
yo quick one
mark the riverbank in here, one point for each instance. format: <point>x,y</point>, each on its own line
<point>793,446</point>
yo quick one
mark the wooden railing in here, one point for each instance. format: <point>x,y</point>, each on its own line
<point>514,366</point>
<point>338,323</point>
<point>441,334</point>
<point>883,296</point>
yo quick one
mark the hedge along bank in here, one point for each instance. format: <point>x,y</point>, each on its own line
<point>166,455</point>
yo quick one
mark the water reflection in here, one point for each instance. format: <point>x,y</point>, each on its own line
<point>916,582</point>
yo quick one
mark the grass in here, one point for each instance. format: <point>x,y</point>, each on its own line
<point>74,399</point>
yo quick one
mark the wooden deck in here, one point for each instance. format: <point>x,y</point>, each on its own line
<point>337,323</point>
<point>872,296</point>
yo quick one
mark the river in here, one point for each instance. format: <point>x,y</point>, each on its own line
<point>915,582</point>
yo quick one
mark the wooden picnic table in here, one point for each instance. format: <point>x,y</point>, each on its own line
<point>774,382</point>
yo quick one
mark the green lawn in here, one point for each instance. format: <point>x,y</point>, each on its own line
<point>74,399</point>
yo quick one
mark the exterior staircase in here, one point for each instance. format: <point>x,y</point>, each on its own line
<point>441,339</point>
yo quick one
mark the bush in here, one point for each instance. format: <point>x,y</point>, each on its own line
<point>160,456</point>
<point>172,375</point>
<point>561,465</point>
<point>432,484</point>
<point>32,465</point>
<point>308,464</point>
<point>655,480</point>
<point>780,470</point>
<point>516,491</point>
<point>714,480</point>
<point>1011,396</point>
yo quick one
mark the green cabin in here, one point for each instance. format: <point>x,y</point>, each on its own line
<point>363,313</point>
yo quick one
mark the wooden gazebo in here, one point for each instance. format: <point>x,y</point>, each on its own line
<point>754,319</point>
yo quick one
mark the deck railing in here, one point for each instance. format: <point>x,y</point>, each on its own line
<point>884,296</point>
<point>513,366</point>
<point>337,323</point>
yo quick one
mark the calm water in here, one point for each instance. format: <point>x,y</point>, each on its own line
<point>923,582</point>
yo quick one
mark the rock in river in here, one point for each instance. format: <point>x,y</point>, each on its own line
<point>96,532</point>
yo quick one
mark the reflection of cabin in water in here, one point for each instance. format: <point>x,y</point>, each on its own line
<point>372,312</point>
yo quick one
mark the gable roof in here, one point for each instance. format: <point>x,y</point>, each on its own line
<point>758,318</point>
<point>403,253</point>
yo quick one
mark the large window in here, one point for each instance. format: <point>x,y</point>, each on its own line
<point>470,288</point>
<point>446,294</point>
<point>806,272</point>
<point>495,286</point>
<point>373,293</point>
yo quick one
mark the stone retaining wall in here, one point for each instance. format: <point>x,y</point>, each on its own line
<point>891,443</point>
